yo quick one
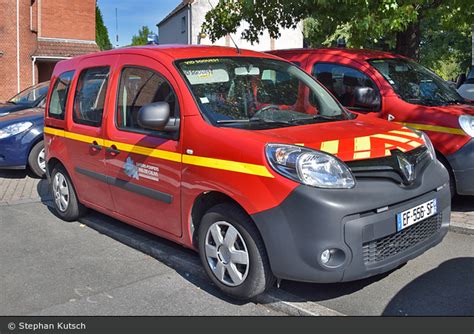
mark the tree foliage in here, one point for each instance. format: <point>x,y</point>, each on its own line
<point>142,37</point>
<point>101,32</point>
<point>395,25</point>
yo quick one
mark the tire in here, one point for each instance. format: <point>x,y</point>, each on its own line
<point>237,279</point>
<point>452,180</point>
<point>64,195</point>
<point>36,160</point>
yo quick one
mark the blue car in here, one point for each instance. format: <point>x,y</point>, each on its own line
<point>32,97</point>
<point>21,140</point>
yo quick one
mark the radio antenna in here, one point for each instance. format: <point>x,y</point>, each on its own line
<point>228,34</point>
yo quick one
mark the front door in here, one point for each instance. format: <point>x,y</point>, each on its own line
<point>85,132</point>
<point>144,166</point>
<point>353,88</point>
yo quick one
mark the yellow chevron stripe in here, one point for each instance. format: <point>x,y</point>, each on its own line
<point>389,137</point>
<point>331,146</point>
<point>407,133</point>
<point>234,166</point>
<point>435,128</point>
<point>414,144</point>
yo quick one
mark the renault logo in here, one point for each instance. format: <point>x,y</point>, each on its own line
<point>406,167</point>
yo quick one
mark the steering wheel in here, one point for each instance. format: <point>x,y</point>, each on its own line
<point>261,110</point>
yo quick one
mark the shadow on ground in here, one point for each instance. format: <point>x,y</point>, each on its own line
<point>463,203</point>
<point>444,291</point>
<point>17,174</point>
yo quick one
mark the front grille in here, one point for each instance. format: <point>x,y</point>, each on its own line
<point>386,247</point>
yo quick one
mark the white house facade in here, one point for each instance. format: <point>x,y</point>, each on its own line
<point>183,26</point>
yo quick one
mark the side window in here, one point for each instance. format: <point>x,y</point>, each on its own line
<point>139,87</point>
<point>352,88</point>
<point>57,102</point>
<point>90,96</point>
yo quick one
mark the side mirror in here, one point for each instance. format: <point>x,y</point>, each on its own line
<point>460,80</point>
<point>366,98</point>
<point>156,116</point>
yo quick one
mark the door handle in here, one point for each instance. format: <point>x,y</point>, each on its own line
<point>112,150</point>
<point>95,146</point>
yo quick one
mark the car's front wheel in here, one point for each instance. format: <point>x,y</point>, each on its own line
<point>36,159</point>
<point>233,253</point>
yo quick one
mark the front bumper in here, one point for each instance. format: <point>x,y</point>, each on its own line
<point>311,220</point>
<point>462,163</point>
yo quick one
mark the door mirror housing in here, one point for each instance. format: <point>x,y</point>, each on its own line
<point>156,116</point>
<point>366,99</point>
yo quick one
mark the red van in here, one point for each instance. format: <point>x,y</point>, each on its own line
<point>221,151</point>
<point>389,86</point>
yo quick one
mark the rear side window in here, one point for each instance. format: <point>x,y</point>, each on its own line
<point>343,82</point>
<point>57,102</point>
<point>139,87</point>
<point>90,96</point>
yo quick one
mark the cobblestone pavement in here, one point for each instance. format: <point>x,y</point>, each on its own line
<point>18,186</point>
<point>21,187</point>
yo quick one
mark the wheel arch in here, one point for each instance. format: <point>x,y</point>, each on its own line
<point>202,203</point>
<point>445,162</point>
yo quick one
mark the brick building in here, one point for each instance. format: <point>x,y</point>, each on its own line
<point>36,34</point>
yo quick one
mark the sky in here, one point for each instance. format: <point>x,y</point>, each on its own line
<point>132,15</point>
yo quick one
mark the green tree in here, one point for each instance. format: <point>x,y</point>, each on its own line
<point>101,32</point>
<point>386,24</point>
<point>142,37</point>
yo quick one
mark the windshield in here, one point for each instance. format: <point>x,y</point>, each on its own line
<point>415,83</point>
<point>31,95</point>
<point>258,93</point>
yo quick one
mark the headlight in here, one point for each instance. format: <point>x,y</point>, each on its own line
<point>467,124</point>
<point>310,167</point>
<point>427,140</point>
<point>14,129</point>
<point>428,144</point>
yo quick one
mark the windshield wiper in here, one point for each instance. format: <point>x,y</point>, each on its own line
<point>319,117</point>
<point>249,120</point>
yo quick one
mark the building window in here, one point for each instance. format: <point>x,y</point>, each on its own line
<point>90,96</point>
<point>183,24</point>
<point>57,102</point>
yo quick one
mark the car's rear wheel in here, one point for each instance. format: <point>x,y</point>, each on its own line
<point>36,159</point>
<point>233,253</point>
<point>64,195</point>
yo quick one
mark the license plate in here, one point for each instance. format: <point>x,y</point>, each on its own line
<point>416,214</point>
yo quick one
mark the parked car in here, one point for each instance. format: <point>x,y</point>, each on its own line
<point>389,86</point>
<point>32,97</point>
<point>246,159</point>
<point>21,140</point>
<point>466,85</point>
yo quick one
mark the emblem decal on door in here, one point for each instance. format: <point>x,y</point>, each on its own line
<point>141,170</point>
<point>130,168</point>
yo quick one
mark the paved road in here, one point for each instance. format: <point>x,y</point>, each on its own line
<point>50,267</point>
<point>99,266</point>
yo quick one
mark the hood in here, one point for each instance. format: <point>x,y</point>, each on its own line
<point>362,138</point>
<point>33,115</point>
<point>11,107</point>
